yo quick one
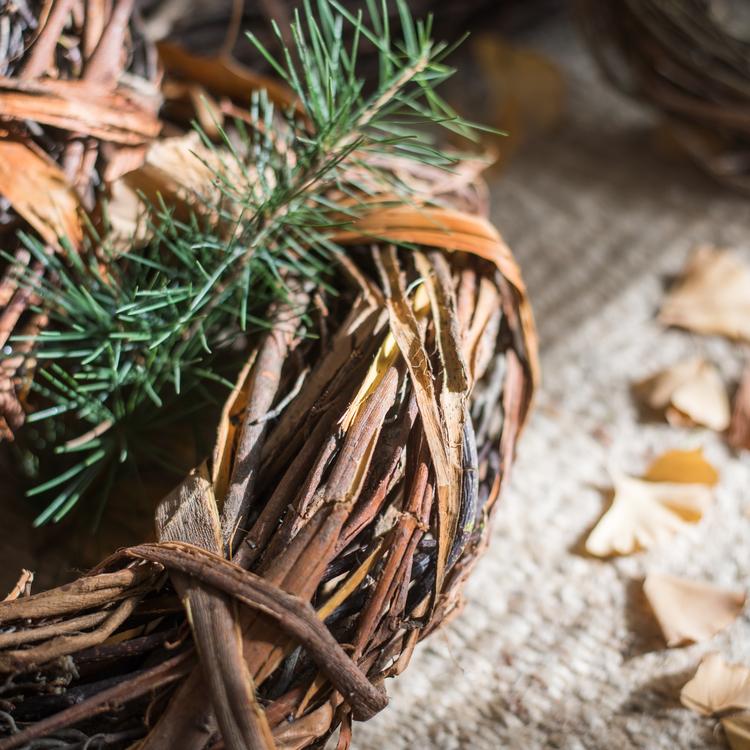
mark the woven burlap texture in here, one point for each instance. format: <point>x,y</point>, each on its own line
<point>554,649</point>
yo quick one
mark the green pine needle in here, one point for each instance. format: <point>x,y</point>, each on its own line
<point>134,335</point>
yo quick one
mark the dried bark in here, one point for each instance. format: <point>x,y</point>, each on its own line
<point>333,574</point>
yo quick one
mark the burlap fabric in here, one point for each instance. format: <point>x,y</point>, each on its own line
<point>554,650</point>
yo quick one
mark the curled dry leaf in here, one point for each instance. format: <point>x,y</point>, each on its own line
<point>181,169</point>
<point>712,295</point>
<point>739,426</point>
<point>690,611</point>
<point>717,687</point>
<point>222,77</point>
<point>688,393</point>
<point>649,511</point>
<point>737,730</point>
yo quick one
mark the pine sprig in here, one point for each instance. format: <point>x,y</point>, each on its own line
<point>132,334</point>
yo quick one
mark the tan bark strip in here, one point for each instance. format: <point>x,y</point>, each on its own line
<point>454,389</point>
<point>134,687</point>
<point>263,387</point>
<point>80,107</point>
<point>189,514</point>
<point>38,190</point>
<point>93,25</point>
<point>44,46</point>
<point>303,570</point>
<point>295,616</point>
<point>23,586</point>
<point>234,406</point>
<point>406,331</point>
<point>103,65</point>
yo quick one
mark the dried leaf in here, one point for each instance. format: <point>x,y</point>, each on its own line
<point>649,511</point>
<point>683,467</point>
<point>712,296</point>
<point>181,170</point>
<point>737,730</point>
<point>739,427</point>
<point>717,686</point>
<point>221,76</point>
<point>688,393</point>
<point>690,611</point>
<point>38,190</point>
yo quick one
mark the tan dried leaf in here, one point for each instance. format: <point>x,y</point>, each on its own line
<point>737,730</point>
<point>712,295</point>
<point>690,392</point>
<point>301,732</point>
<point>222,76</point>
<point>717,686</point>
<point>684,467</point>
<point>690,611</point>
<point>650,511</point>
<point>181,169</point>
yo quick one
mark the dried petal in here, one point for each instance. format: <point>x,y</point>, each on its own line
<point>717,686</point>
<point>712,296</point>
<point>683,467</point>
<point>690,611</point>
<point>676,491</point>
<point>690,392</point>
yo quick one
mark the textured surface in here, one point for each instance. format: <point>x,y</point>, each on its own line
<point>554,649</point>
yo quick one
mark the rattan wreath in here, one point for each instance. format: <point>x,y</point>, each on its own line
<point>350,492</point>
<point>691,61</point>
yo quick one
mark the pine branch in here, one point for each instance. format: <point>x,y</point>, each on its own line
<point>131,334</point>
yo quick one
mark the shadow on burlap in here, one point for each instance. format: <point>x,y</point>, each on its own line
<point>554,649</point>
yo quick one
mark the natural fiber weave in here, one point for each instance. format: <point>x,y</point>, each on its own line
<point>332,571</point>
<point>354,475</point>
<point>62,62</point>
